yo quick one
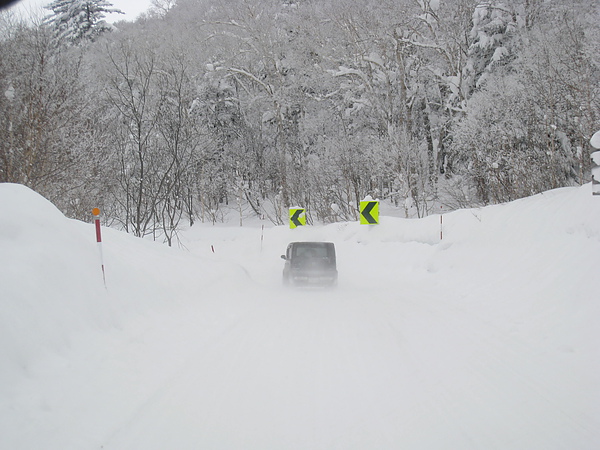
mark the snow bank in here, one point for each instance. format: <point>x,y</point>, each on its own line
<point>51,286</point>
<point>50,280</point>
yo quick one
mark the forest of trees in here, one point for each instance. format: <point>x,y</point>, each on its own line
<point>200,106</point>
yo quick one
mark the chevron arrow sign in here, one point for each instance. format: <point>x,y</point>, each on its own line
<point>297,217</point>
<point>369,212</point>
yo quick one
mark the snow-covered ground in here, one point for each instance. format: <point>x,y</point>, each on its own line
<point>488,339</point>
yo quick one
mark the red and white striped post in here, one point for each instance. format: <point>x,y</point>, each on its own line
<point>96,213</point>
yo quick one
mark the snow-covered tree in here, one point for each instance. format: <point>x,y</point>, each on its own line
<point>47,141</point>
<point>282,102</point>
<point>77,20</point>
<point>504,148</point>
<point>494,26</point>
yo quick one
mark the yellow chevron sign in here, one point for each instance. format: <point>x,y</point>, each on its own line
<point>369,212</point>
<point>297,217</point>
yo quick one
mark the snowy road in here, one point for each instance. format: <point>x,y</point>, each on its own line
<point>327,370</point>
<point>485,341</point>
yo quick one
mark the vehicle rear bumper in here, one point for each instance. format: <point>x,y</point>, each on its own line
<point>313,279</point>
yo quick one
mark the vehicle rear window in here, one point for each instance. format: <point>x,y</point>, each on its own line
<point>311,251</point>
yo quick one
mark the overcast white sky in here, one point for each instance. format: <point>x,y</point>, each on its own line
<point>131,8</point>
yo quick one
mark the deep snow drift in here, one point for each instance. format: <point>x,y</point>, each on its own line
<point>486,339</point>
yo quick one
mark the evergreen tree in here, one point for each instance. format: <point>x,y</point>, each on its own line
<point>77,20</point>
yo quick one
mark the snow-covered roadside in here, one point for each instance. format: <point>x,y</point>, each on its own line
<point>484,340</point>
<point>72,350</point>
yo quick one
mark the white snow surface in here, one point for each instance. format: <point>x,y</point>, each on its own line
<point>595,140</point>
<point>487,339</point>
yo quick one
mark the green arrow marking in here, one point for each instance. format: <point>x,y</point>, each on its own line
<point>366,213</point>
<point>295,219</point>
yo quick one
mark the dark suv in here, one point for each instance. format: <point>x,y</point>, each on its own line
<point>310,264</point>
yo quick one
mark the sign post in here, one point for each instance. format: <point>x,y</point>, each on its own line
<point>96,214</point>
<point>596,173</point>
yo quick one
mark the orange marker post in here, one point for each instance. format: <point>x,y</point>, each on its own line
<point>96,214</point>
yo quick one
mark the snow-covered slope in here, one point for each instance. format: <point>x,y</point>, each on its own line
<point>485,339</point>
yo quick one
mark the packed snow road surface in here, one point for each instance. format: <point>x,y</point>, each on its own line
<point>327,371</point>
<point>486,340</point>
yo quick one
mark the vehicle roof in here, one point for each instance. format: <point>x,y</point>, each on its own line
<point>311,242</point>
